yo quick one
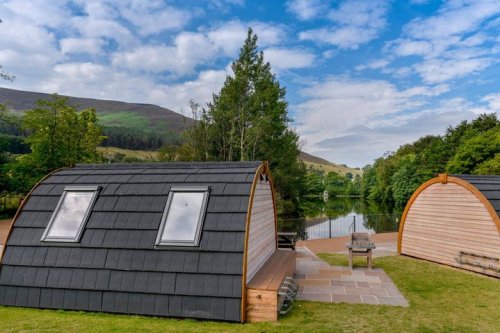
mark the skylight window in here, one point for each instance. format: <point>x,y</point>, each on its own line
<point>72,211</point>
<point>183,216</point>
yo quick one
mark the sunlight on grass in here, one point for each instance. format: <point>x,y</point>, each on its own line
<point>441,300</point>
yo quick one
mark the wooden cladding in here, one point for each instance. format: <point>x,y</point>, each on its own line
<point>443,220</point>
<point>262,233</point>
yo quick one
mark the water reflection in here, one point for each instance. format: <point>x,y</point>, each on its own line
<point>340,216</point>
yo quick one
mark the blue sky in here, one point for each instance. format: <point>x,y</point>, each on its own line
<point>362,76</point>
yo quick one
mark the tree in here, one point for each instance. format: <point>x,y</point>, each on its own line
<point>476,151</point>
<point>248,120</point>
<point>60,136</point>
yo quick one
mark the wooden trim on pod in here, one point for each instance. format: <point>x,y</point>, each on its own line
<point>273,194</point>
<point>260,170</point>
<point>444,178</point>
<point>18,212</point>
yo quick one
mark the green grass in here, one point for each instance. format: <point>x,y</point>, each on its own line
<point>124,119</point>
<point>441,300</point>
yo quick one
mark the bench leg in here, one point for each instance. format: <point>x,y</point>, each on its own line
<point>350,259</point>
<point>369,257</point>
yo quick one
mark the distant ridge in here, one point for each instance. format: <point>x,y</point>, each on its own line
<point>327,166</point>
<point>111,113</point>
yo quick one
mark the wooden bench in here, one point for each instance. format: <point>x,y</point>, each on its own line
<point>360,245</point>
<point>286,240</point>
<point>262,300</point>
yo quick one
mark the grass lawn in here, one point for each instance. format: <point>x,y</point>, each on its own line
<point>441,300</point>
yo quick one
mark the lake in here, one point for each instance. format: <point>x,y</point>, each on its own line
<point>339,217</point>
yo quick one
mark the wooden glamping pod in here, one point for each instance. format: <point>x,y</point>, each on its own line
<point>168,239</point>
<point>454,220</point>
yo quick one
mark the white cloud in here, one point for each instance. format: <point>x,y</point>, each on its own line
<point>192,49</point>
<point>453,43</point>
<point>493,101</point>
<point>282,59</point>
<point>229,36</point>
<point>354,22</point>
<point>438,70</point>
<point>336,105</point>
<point>154,17</point>
<point>306,9</point>
<point>82,45</point>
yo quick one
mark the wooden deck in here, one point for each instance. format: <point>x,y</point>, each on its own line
<point>262,290</point>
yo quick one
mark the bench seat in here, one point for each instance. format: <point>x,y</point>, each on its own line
<point>262,290</point>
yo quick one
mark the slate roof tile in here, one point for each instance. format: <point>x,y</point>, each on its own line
<point>42,274</point>
<point>90,279</point>
<point>182,282</point>
<point>141,282</point>
<point>75,257</point>
<point>233,307</point>
<point>43,189</point>
<point>108,302</point>
<point>82,300</point>
<point>115,280</point>
<point>87,258</point>
<point>39,256</point>
<point>33,297</point>
<point>102,220</point>
<point>168,283</point>
<point>112,259</point>
<point>148,304</point>
<point>27,257</point>
<point>7,272</point>
<point>29,277</point>
<point>77,279</point>
<point>45,298</point>
<point>10,296</point>
<point>175,306</point>
<point>148,239</point>
<point>154,283</point>
<point>22,297</point>
<point>51,256</point>
<point>218,308</point>
<point>53,277</point>
<point>70,299</point>
<point>65,278</point>
<point>100,257</point>
<point>135,303</point>
<point>103,279</point>
<point>151,259</point>
<point>161,305</point>
<point>63,256</point>
<point>191,262</point>
<point>18,275</point>
<point>57,299</point>
<point>95,301</point>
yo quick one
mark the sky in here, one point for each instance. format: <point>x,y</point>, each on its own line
<point>362,76</point>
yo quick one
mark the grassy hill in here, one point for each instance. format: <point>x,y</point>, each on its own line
<point>327,166</point>
<point>110,113</point>
<point>308,159</point>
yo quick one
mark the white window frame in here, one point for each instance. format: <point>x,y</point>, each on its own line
<point>46,238</point>
<point>201,217</point>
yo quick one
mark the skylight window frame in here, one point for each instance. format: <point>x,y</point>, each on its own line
<point>51,239</point>
<point>159,243</point>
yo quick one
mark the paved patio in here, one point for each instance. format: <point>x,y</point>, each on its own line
<point>319,281</point>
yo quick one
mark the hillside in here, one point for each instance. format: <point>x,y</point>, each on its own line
<point>327,166</point>
<point>111,113</point>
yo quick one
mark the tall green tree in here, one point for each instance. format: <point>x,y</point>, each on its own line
<point>60,136</point>
<point>248,120</point>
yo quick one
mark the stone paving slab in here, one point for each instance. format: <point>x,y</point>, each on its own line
<point>318,281</point>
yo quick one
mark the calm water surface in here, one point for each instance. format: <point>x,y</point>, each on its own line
<point>339,217</point>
